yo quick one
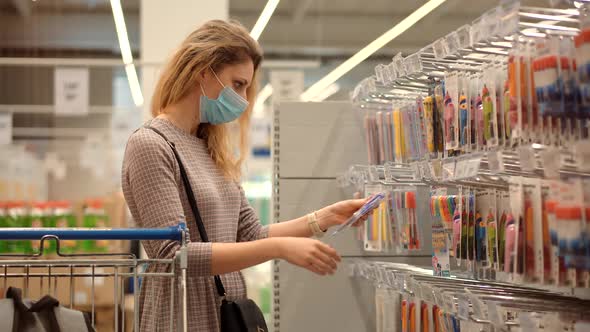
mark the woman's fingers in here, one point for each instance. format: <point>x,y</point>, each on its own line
<point>357,203</point>
<point>325,259</point>
<point>311,267</point>
<point>322,266</point>
<point>360,221</point>
<point>331,252</point>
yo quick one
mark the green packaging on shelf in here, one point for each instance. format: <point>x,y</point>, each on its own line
<point>63,217</point>
<point>3,216</point>
<point>36,219</point>
<point>42,216</point>
<point>17,217</point>
<point>95,217</point>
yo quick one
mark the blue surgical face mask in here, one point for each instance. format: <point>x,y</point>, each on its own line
<point>226,108</point>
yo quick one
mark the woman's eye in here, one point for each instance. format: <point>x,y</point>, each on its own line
<point>238,85</point>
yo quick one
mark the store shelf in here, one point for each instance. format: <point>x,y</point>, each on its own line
<point>319,140</point>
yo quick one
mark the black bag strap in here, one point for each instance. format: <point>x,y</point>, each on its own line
<point>24,316</point>
<point>192,201</point>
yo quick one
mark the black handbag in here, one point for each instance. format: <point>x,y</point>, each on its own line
<point>236,316</point>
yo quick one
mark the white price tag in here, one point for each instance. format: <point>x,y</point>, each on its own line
<point>427,293</point>
<point>527,322</point>
<point>461,167</point>
<point>582,155</point>
<point>287,84</point>
<point>5,128</point>
<point>449,302</point>
<point>473,167</point>
<point>388,172</point>
<point>438,299</point>
<point>439,48</point>
<point>551,159</point>
<point>494,315</point>
<point>373,174</point>
<point>478,307</point>
<point>527,158</point>
<point>71,91</point>
<point>448,170</point>
<point>426,170</point>
<point>434,169</point>
<point>463,307</point>
<point>496,161</point>
<point>416,171</point>
<point>421,171</point>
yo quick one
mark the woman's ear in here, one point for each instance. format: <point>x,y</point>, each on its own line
<point>201,76</point>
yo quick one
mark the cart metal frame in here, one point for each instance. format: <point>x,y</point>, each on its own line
<point>120,266</point>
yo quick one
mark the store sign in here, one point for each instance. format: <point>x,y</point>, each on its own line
<point>71,91</point>
<point>286,84</point>
<point>5,128</point>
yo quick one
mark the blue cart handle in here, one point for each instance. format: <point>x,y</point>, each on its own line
<point>169,233</point>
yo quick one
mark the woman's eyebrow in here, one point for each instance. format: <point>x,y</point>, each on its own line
<point>243,80</point>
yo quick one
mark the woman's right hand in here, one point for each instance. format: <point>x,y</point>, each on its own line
<point>310,254</point>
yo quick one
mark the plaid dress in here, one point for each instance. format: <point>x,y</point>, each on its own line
<point>156,197</point>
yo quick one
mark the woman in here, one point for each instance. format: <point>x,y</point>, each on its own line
<point>208,83</point>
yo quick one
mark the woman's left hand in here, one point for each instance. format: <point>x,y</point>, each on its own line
<point>338,213</point>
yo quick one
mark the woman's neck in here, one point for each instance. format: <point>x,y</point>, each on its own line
<point>183,114</point>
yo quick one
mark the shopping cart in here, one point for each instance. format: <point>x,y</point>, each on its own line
<point>55,276</point>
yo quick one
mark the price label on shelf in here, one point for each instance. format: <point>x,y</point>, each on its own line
<point>460,168</point>
<point>527,322</point>
<point>438,298</point>
<point>527,158</point>
<point>449,302</point>
<point>495,161</point>
<point>416,171</point>
<point>5,128</point>
<point>582,155</point>
<point>435,169</point>
<point>373,173</point>
<point>388,172</point>
<point>478,307</point>
<point>425,170</point>
<point>439,48</point>
<point>551,159</point>
<point>448,170</point>
<point>71,90</point>
<point>494,315</point>
<point>463,307</point>
<point>427,293</point>
<point>473,168</point>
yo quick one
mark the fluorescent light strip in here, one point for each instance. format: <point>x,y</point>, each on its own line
<point>121,31</point>
<point>330,90</point>
<point>263,95</point>
<point>134,84</point>
<point>375,45</point>
<point>126,52</point>
<point>270,7</point>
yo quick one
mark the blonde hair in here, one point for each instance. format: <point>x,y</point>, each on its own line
<point>214,45</point>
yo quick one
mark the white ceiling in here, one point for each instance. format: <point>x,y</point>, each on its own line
<point>299,28</point>
<point>327,30</point>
